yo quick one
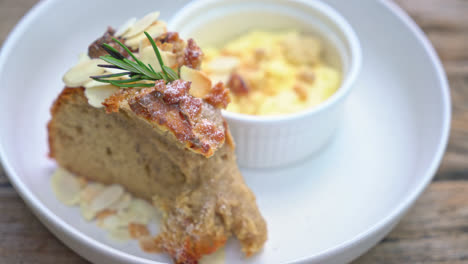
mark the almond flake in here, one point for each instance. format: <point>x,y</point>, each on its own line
<point>94,83</point>
<point>148,56</point>
<point>154,31</point>
<point>87,195</point>
<point>218,257</point>
<point>120,234</point>
<point>104,214</point>
<point>79,74</point>
<point>139,211</point>
<point>97,94</point>
<point>201,84</point>
<point>83,57</point>
<point>142,24</point>
<point>125,27</point>
<point>143,208</point>
<point>123,202</point>
<point>90,192</point>
<point>107,197</point>
<point>112,222</point>
<point>86,212</point>
<point>66,186</point>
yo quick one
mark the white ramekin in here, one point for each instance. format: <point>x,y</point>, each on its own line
<point>270,141</point>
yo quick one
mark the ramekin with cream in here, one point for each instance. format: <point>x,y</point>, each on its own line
<point>269,138</point>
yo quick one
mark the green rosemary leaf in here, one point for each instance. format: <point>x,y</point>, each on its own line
<point>151,67</point>
<point>141,69</point>
<point>110,75</point>
<point>109,66</point>
<point>131,80</point>
<point>139,72</point>
<point>131,54</point>
<point>118,63</point>
<point>129,85</point>
<point>112,51</point>
<point>158,55</point>
<point>125,48</point>
<point>170,72</point>
<point>160,75</point>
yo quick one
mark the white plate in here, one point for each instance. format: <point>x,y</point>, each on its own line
<point>328,209</point>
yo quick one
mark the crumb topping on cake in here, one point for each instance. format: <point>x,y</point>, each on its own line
<point>183,107</point>
<point>193,122</point>
<point>95,50</point>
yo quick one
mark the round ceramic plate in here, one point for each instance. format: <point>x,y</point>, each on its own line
<point>329,208</point>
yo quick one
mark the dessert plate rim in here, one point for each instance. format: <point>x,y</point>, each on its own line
<point>63,230</point>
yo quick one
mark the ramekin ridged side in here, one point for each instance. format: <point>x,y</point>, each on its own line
<point>273,141</point>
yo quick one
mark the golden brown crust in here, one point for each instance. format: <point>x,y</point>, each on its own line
<point>149,104</point>
<point>64,97</point>
<point>229,139</point>
<point>170,41</point>
<point>218,96</point>
<point>113,103</point>
<point>193,55</point>
<point>192,121</point>
<point>204,200</point>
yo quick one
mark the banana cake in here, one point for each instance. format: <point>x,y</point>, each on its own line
<point>165,141</point>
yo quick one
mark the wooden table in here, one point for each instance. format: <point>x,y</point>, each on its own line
<point>434,231</point>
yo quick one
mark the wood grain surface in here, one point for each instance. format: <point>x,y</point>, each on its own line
<point>434,231</point>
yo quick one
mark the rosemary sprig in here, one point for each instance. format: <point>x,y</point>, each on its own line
<point>140,75</point>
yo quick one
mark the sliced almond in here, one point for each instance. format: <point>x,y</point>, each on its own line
<point>138,230</point>
<point>139,211</point>
<point>201,84</point>
<point>112,222</point>
<point>83,57</point>
<point>86,212</point>
<point>223,65</point>
<point>120,234</point>
<point>93,83</point>
<point>148,56</point>
<point>90,192</point>
<point>154,31</point>
<point>66,187</point>
<point>125,27</point>
<point>142,24</point>
<point>107,197</point>
<point>87,195</point>
<point>104,214</point>
<point>96,95</point>
<point>128,216</point>
<point>144,209</point>
<point>218,257</point>
<point>79,74</point>
<point>123,203</point>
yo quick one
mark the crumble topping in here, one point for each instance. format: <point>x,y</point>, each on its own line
<point>192,121</point>
<point>180,106</point>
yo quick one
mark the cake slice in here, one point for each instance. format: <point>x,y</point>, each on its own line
<point>165,145</point>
